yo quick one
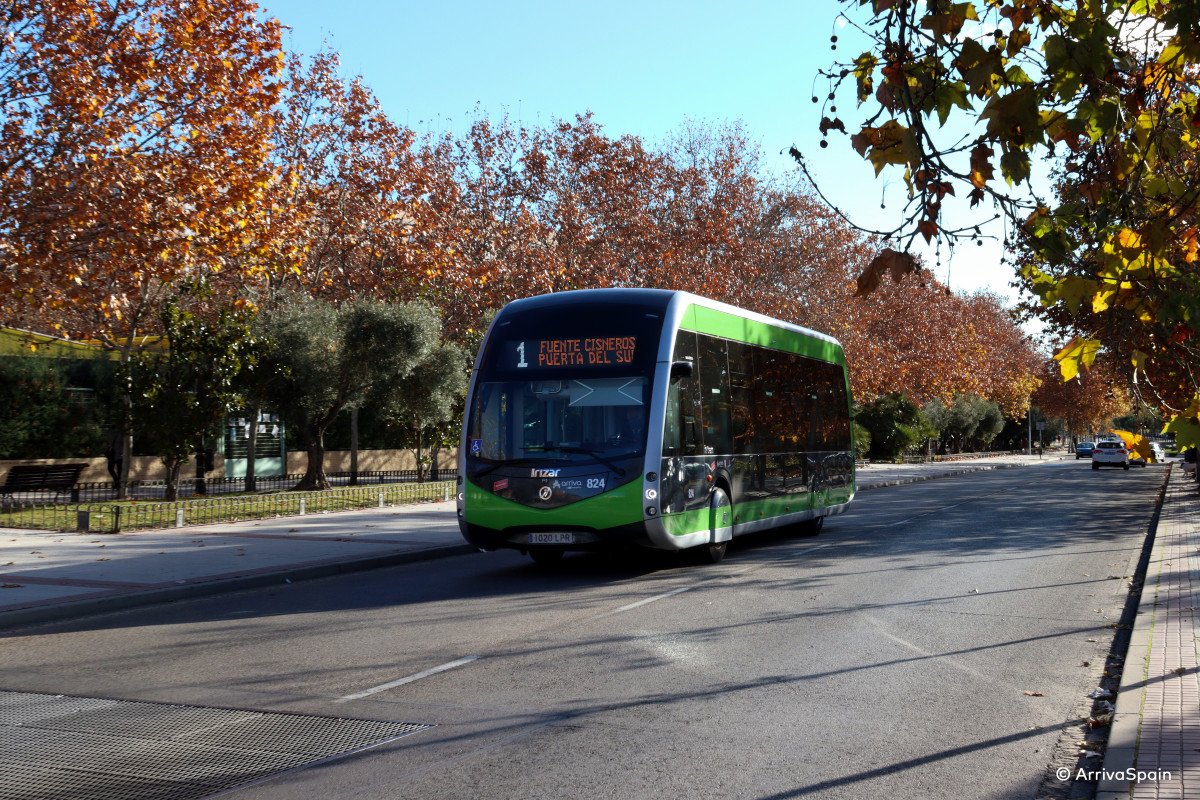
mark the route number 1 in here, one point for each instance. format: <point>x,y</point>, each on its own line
<point>521,353</point>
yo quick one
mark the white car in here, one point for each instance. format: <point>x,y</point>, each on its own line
<point>1110,454</point>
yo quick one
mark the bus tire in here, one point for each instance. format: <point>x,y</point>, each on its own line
<point>546,555</point>
<point>720,509</point>
<point>811,527</point>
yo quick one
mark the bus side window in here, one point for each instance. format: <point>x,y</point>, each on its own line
<point>679,431</point>
<point>741,372</point>
<point>714,394</point>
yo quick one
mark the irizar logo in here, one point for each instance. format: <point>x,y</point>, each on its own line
<point>543,473</point>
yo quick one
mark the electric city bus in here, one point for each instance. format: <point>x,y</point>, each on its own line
<point>649,416</point>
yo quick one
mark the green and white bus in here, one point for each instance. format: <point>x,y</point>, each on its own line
<point>649,416</point>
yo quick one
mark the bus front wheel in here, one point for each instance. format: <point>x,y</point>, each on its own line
<point>720,522</point>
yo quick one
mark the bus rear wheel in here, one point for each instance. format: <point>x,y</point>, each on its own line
<point>811,527</point>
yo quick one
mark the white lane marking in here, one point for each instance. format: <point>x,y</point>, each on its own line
<point>936,657</point>
<point>641,603</point>
<point>761,564</point>
<point>383,687</point>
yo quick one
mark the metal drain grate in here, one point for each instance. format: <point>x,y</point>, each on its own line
<point>87,748</point>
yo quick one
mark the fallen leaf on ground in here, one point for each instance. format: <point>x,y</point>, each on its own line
<point>11,586</point>
<point>1036,694</point>
<point>1180,670</point>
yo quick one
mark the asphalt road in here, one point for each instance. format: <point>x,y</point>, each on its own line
<point>890,656</point>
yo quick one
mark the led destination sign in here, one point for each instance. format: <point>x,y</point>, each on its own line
<point>596,351</point>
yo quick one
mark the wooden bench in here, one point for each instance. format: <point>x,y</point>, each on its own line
<point>41,477</point>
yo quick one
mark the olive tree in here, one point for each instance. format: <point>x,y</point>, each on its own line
<point>327,358</point>
<point>426,401</point>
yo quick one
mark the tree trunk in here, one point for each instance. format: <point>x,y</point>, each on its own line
<point>126,452</point>
<point>418,450</point>
<point>173,465</point>
<point>201,487</point>
<point>252,450</point>
<point>354,447</point>
<point>314,476</point>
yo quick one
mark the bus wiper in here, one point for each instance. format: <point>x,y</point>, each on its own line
<point>587,452</point>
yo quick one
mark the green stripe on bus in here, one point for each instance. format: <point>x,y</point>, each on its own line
<point>621,506</point>
<point>701,319</point>
<point>687,522</point>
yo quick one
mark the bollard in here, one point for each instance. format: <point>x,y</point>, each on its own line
<point>381,499</point>
<point>446,493</point>
<point>302,510</point>
<point>83,521</point>
<point>179,518</point>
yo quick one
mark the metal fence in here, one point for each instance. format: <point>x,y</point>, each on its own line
<point>186,487</point>
<point>146,515</point>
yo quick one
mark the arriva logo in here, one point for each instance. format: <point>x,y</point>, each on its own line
<point>543,473</point>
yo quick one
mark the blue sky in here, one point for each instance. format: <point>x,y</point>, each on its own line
<point>641,68</point>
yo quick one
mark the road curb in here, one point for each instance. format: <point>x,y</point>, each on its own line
<point>922,478</point>
<point>1120,755</point>
<point>57,612</point>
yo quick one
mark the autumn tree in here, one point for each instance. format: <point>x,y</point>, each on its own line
<point>486,241</point>
<point>351,182</point>
<point>132,153</point>
<point>1105,90</point>
<point>1087,403</point>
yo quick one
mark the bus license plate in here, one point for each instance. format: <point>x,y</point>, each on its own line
<point>552,538</point>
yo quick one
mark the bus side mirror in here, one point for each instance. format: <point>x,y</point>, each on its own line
<point>681,369</point>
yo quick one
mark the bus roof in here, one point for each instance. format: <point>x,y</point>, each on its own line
<point>680,302</point>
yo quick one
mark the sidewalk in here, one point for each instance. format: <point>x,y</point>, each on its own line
<point>1154,745</point>
<point>49,576</point>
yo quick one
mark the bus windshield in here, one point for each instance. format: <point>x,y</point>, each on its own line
<point>585,420</point>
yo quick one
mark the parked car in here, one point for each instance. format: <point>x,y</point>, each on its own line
<point>1110,454</point>
<point>1160,455</point>
<point>1084,450</point>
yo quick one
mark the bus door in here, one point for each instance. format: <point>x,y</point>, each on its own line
<point>684,484</point>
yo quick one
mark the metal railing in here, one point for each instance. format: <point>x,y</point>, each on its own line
<point>186,487</point>
<point>149,515</point>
